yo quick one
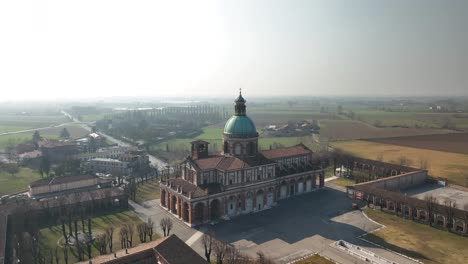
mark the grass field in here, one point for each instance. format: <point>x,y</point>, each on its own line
<point>49,133</point>
<point>18,182</point>
<point>452,166</point>
<point>419,241</point>
<point>51,237</point>
<point>7,129</point>
<point>315,259</point>
<point>31,121</point>
<point>148,191</point>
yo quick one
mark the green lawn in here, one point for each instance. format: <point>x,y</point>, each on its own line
<point>51,237</point>
<point>418,241</point>
<point>148,191</point>
<point>315,259</point>
<point>343,182</point>
<point>18,182</point>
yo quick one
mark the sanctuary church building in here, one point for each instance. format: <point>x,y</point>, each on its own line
<point>240,180</point>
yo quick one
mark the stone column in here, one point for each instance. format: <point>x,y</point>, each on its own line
<point>322,180</point>
<point>168,200</point>
<point>206,212</point>
<point>190,214</point>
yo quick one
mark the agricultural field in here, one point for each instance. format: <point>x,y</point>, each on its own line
<point>419,241</point>
<point>51,237</point>
<point>337,130</point>
<point>412,119</point>
<point>15,122</point>
<point>17,182</point>
<point>457,143</point>
<point>452,166</point>
<point>49,133</point>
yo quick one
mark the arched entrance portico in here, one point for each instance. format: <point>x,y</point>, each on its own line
<point>174,205</point>
<point>248,203</point>
<point>163,198</point>
<point>283,190</point>
<point>292,188</point>
<point>185,212</point>
<point>231,205</point>
<point>309,184</point>
<point>259,200</point>
<point>198,213</point>
<point>300,186</point>
<point>270,197</point>
<point>215,209</point>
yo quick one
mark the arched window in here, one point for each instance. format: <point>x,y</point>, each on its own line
<point>237,149</point>
<point>226,147</point>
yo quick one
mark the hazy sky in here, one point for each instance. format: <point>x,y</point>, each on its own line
<point>72,49</point>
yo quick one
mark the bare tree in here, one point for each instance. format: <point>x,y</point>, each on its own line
<point>131,231</point>
<point>404,161</point>
<point>220,248</point>
<point>65,253</point>
<point>431,203</point>
<point>262,259</point>
<point>123,236</point>
<point>141,229</point>
<point>166,225</point>
<point>110,236</point>
<point>150,228</point>
<point>207,240</point>
<point>101,243</point>
<point>423,163</point>
<point>450,207</point>
<point>57,255</point>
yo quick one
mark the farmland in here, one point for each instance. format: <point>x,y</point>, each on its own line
<point>412,119</point>
<point>453,166</point>
<point>16,122</point>
<point>457,143</point>
<point>336,130</point>
<point>49,133</point>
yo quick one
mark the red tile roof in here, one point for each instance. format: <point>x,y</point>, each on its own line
<point>231,163</point>
<point>278,153</point>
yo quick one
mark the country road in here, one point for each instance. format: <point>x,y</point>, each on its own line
<point>154,161</point>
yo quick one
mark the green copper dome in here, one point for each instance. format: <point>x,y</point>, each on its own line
<point>240,126</point>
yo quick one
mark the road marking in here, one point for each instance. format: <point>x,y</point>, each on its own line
<point>194,238</point>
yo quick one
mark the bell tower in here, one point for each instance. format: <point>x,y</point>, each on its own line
<point>199,149</point>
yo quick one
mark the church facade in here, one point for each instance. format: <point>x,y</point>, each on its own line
<point>240,180</point>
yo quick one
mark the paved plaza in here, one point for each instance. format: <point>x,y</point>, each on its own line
<point>296,227</point>
<point>441,193</point>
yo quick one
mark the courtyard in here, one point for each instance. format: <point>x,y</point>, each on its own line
<point>295,228</point>
<point>442,194</point>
